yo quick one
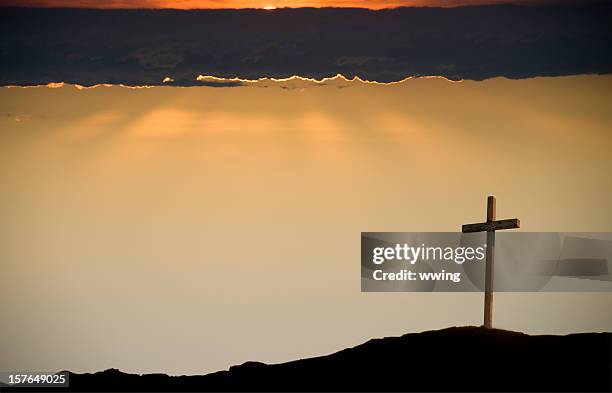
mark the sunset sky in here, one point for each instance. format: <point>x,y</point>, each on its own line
<point>182,191</point>
<point>190,4</point>
<point>185,230</point>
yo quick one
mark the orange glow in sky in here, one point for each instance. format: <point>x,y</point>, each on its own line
<point>265,4</point>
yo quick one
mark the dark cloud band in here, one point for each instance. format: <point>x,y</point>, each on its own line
<point>140,47</point>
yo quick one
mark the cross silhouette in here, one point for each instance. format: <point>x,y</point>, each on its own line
<point>490,226</point>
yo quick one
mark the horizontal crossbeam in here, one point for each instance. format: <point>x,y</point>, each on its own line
<point>491,225</point>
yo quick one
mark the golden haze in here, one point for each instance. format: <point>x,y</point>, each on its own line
<point>184,230</point>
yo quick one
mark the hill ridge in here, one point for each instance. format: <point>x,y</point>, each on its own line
<point>467,358</point>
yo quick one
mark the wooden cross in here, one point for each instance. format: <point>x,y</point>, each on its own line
<point>490,227</point>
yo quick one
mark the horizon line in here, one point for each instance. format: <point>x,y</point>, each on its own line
<point>270,8</point>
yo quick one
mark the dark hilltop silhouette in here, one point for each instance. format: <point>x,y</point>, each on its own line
<point>142,47</point>
<point>453,359</point>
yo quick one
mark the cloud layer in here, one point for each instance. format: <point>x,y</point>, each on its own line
<point>143,47</point>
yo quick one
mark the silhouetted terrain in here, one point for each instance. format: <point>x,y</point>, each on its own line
<point>454,359</point>
<point>137,47</point>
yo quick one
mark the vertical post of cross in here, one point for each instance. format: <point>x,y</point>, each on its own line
<point>490,259</point>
